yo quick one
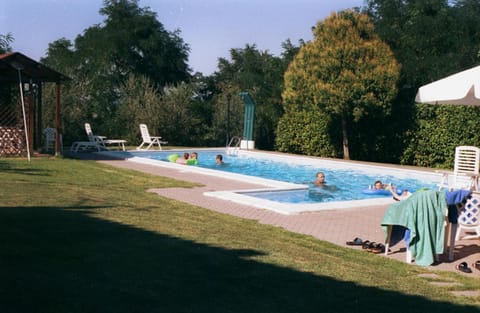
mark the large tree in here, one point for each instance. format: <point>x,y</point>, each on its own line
<point>346,72</point>
<point>134,41</point>
<point>130,41</point>
<point>431,39</point>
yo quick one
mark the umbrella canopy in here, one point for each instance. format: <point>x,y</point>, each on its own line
<point>459,88</point>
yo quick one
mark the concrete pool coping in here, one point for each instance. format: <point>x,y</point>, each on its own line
<point>335,225</point>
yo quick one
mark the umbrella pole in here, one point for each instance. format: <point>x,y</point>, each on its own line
<point>24,115</point>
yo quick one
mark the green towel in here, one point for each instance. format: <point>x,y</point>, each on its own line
<point>423,213</point>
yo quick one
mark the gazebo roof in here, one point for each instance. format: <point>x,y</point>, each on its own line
<point>30,70</point>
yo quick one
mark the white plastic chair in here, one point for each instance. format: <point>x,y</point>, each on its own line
<point>102,141</point>
<point>49,133</point>
<point>465,171</point>
<point>95,140</point>
<point>91,143</point>
<point>469,217</point>
<point>148,140</point>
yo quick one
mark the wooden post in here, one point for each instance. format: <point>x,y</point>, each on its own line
<point>57,120</point>
<point>30,119</point>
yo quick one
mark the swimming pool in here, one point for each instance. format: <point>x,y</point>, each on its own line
<point>288,179</point>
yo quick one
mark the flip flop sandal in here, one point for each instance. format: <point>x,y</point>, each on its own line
<point>463,267</point>
<point>378,248</point>
<point>355,242</point>
<point>366,244</point>
<point>476,265</point>
<point>371,246</point>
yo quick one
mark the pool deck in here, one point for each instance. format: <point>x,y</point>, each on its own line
<point>336,226</point>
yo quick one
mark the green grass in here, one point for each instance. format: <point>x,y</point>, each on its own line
<point>78,236</point>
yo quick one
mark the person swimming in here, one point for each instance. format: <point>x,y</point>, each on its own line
<point>321,182</point>
<point>378,185</point>
<point>219,159</point>
<point>398,196</point>
<point>319,179</point>
<point>183,160</point>
<point>193,159</point>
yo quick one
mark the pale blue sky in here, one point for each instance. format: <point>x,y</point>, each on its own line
<point>210,27</point>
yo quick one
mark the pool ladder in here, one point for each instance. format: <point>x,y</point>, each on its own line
<point>234,145</point>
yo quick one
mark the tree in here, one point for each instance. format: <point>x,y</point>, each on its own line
<point>261,74</point>
<point>140,104</point>
<point>5,41</point>
<point>428,38</point>
<point>177,122</point>
<point>290,51</point>
<point>134,41</point>
<point>6,90</point>
<point>431,39</point>
<point>346,72</point>
<point>86,97</point>
<point>130,41</point>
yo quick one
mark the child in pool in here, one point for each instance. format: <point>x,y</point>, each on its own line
<point>219,159</point>
<point>193,159</point>
<point>184,159</point>
<point>398,197</point>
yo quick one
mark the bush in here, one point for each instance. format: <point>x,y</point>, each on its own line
<point>306,133</point>
<point>439,129</point>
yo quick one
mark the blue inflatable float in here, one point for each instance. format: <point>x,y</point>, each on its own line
<point>382,192</point>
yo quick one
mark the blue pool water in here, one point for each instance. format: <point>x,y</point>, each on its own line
<point>343,184</point>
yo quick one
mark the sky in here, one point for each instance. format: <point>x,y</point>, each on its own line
<point>211,28</point>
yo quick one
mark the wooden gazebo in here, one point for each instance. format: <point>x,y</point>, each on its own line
<point>16,68</point>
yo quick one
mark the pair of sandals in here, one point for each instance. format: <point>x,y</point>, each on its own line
<point>370,246</point>
<point>373,247</point>
<point>463,267</point>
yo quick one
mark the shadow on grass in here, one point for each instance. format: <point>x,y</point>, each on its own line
<point>66,260</point>
<point>6,167</point>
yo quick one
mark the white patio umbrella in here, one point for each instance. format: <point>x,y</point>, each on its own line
<point>460,88</point>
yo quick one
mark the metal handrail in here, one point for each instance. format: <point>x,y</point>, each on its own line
<point>232,140</point>
<point>233,149</point>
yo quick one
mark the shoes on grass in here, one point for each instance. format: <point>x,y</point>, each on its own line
<point>370,246</point>
<point>355,242</point>
<point>463,267</point>
<point>476,265</point>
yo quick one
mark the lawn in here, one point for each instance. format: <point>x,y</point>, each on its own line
<point>78,236</point>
